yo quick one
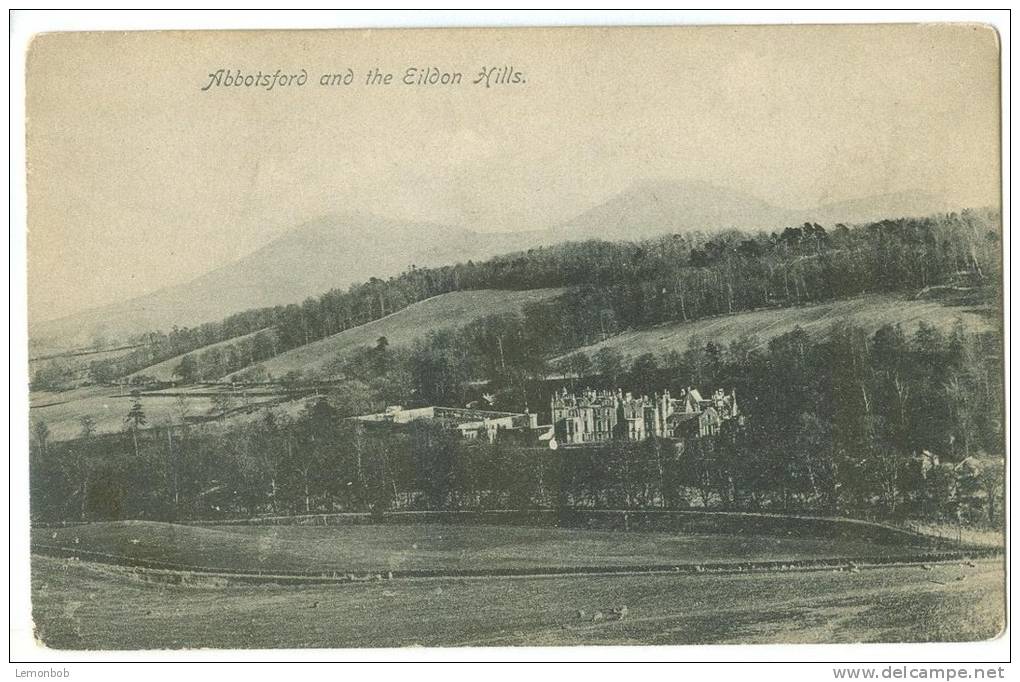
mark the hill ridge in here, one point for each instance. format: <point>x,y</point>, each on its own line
<point>337,249</point>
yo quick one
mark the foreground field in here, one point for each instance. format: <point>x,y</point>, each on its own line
<point>78,605</point>
<point>434,546</point>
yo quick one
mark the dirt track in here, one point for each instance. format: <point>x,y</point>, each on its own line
<point>168,570</point>
<point>78,604</point>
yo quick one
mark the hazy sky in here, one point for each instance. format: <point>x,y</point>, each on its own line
<point>138,178</point>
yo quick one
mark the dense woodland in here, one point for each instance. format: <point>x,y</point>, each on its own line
<point>899,423</point>
<point>610,287</point>
<point>892,425</point>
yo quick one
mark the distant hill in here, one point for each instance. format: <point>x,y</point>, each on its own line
<point>338,250</point>
<point>330,252</point>
<point>664,207</point>
<point>403,327</point>
<point>657,207</point>
<point>867,312</point>
<point>878,207</point>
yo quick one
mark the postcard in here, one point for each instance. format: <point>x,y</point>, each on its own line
<point>504,337</point>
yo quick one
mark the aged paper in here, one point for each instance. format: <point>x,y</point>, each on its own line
<point>515,337</point>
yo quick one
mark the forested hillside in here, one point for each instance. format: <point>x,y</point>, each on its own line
<point>870,312</point>
<point>615,286</point>
<point>890,424</point>
<point>454,310</point>
<point>886,411</point>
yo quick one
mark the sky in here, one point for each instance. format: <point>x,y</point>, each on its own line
<point>139,179</point>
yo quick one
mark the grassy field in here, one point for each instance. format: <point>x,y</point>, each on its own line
<point>434,546</point>
<point>79,605</point>
<point>108,405</point>
<point>63,410</point>
<point>868,312</point>
<point>164,371</point>
<point>75,362</point>
<point>403,327</point>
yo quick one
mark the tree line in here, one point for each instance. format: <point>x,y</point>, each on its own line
<point>900,423</point>
<point>612,286</point>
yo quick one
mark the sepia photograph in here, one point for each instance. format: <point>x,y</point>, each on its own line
<point>514,337</point>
